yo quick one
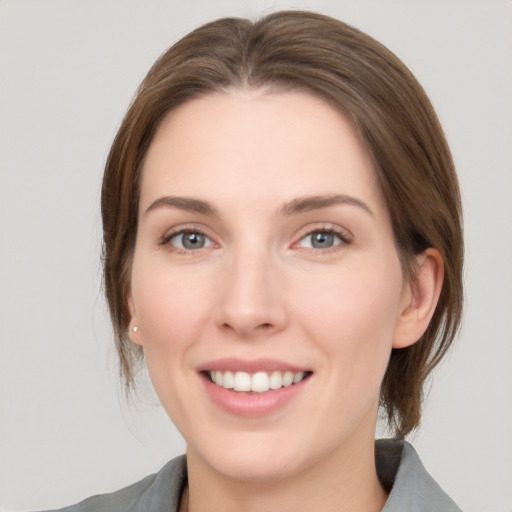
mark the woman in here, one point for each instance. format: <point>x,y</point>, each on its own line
<point>283,249</point>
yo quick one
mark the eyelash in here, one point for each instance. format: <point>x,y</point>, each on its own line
<point>344,236</point>
<point>165,240</point>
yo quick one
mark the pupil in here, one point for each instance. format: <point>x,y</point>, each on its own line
<point>193,240</point>
<point>322,240</point>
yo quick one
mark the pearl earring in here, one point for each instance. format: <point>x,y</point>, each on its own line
<point>135,329</point>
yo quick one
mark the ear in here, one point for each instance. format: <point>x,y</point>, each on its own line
<point>420,297</point>
<point>133,326</point>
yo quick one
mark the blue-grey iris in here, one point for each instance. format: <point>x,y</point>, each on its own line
<point>193,240</point>
<point>322,240</point>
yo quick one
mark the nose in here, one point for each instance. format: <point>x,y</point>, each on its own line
<point>251,296</point>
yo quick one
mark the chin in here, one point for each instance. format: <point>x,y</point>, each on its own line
<point>255,458</point>
<point>256,468</point>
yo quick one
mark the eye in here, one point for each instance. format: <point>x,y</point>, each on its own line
<point>324,239</point>
<point>190,240</point>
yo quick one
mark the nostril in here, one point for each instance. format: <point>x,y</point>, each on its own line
<point>258,329</point>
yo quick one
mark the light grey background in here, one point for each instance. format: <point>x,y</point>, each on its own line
<point>68,70</point>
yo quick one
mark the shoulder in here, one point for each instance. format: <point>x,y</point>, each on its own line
<point>412,489</point>
<point>155,493</point>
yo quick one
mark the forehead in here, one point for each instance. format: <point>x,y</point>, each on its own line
<point>256,144</point>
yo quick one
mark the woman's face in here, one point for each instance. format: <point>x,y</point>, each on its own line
<point>264,256</point>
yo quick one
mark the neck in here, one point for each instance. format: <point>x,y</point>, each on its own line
<point>343,482</point>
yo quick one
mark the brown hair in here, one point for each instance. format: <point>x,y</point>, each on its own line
<point>308,52</point>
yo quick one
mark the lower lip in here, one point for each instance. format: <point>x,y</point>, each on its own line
<point>252,405</point>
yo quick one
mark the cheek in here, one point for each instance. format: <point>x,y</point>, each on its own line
<point>171,308</point>
<point>353,317</point>
<point>169,305</point>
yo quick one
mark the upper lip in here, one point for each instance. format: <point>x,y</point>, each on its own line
<point>250,366</point>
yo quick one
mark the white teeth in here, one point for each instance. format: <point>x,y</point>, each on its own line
<point>287,379</point>
<point>228,380</point>
<point>276,380</point>
<point>242,381</point>
<point>298,377</point>
<point>258,382</point>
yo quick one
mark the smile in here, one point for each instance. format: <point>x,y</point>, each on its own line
<point>253,388</point>
<point>259,382</point>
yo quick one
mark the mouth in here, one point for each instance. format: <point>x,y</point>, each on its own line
<point>257,382</point>
<point>253,388</point>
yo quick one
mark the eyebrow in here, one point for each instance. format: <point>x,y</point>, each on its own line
<point>309,203</point>
<point>298,205</point>
<point>182,203</point>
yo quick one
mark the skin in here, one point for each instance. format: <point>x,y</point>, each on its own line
<point>258,289</point>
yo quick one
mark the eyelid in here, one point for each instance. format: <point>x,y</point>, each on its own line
<point>165,239</point>
<point>344,234</point>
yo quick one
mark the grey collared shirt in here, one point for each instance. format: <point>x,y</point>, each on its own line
<point>411,488</point>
